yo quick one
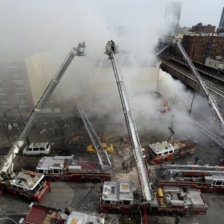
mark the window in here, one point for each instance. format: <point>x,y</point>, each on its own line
<point>21,96</point>
<point>35,149</point>
<point>42,149</point>
<point>218,183</point>
<point>107,202</point>
<point>165,153</point>
<point>18,83</point>
<point>3,98</point>
<point>170,151</point>
<point>126,202</point>
<point>25,109</point>
<point>40,171</point>
<point>55,171</point>
<point>29,149</point>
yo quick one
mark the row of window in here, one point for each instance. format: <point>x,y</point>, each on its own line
<point>20,97</point>
<point>17,83</point>
<point>53,171</point>
<point>165,153</point>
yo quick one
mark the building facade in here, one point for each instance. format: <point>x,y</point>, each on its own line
<point>217,63</point>
<point>200,28</point>
<point>200,47</point>
<point>14,87</point>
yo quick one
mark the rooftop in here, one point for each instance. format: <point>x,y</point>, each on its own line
<point>117,191</point>
<point>38,144</point>
<point>161,147</point>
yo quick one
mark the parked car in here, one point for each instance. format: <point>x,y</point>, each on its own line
<point>40,148</point>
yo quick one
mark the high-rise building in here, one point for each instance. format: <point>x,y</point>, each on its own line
<point>221,23</point>
<point>14,86</point>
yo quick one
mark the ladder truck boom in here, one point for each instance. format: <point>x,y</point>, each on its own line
<point>179,169</point>
<point>102,155</point>
<point>111,50</point>
<point>201,82</point>
<point>7,166</point>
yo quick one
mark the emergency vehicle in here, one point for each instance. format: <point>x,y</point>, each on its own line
<point>163,151</point>
<point>169,200</point>
<point>66,168</point>
<point>26,184</point>
<point>205,178</point>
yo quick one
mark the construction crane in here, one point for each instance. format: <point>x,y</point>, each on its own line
<point>7,166</point>
<point>111,51</point>
<point>102,154</point>
<point>201,82</point>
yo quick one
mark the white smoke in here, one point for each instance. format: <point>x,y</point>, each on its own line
<point>57,26</point>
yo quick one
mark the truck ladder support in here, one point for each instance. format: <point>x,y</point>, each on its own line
<point>111,50</point>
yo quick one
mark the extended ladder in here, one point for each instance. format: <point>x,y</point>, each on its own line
<point>215,138</point>
<point>102,155</point>
<point>7,165</point>
<point>194,169</point>
<point>111,50</point>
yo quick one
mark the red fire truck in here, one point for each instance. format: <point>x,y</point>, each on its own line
<point>66,168</point>
<point>163,151</point>
<point>169,200</point>
<point>205,178</point>
<point>27,184</point>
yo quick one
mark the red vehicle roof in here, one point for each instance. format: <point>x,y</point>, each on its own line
<point>38,214</point>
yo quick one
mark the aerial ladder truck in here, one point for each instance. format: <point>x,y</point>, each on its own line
<point>20,183</point>
<point>218,139</point>
<point>145,183</point>
<point>119,196</point>
<point>212,102</point>
<point>202,177</point>
<point>103,157</point>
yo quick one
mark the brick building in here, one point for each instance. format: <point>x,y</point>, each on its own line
<point>200,28</point>
<point>14,87</point>
<point>200,47</point>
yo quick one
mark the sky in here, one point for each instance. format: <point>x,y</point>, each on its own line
<point>193,11</point>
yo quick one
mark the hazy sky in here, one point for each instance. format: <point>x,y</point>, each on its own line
<point>193,11</point>
<point>34,25</point>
